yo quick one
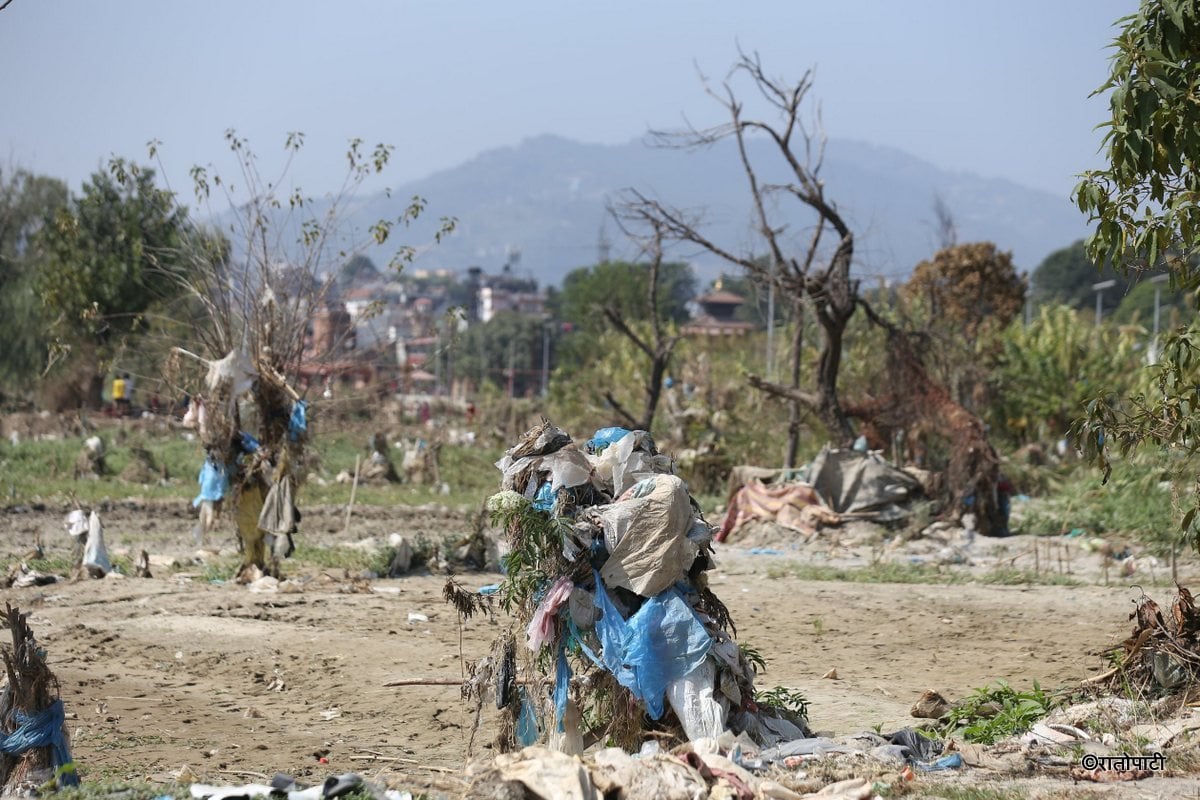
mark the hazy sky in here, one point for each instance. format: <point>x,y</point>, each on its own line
<point>996,87</point>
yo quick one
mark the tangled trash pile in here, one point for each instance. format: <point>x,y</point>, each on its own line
<point>606,573</point>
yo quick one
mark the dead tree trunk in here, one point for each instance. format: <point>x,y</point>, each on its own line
<point>815,275</point>
<point>794,406</point>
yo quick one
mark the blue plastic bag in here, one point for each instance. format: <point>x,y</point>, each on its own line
<point>298,422</point>
<point>661,643</point>
<point>544,499</point>
<point>214,482</point>
<point>952,761</point>
<point>527,724</point>
<point>604,437</point>
<point>249,443</point>
<point>562,682</point>
<point>41,729</point>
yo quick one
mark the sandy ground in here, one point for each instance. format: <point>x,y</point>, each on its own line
<point>175,671</point>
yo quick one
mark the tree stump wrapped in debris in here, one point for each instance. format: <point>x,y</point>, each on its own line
<point>89,464</point>
<point>606,575</point>
<point>33,736</point>
<point>143,468</point>
<point>379,466</point>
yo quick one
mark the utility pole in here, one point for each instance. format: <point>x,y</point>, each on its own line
<point>1157,280</point>
<point>545,357</point>
<point>1099,288</point>
<point>771,320</point>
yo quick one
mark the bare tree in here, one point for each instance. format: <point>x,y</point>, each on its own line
<point>815,277</point>
<point>944,224</point>
<point>258,308</point>
<point>661,347</point>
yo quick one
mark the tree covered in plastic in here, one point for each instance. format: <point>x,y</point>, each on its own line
<point>270,336</point>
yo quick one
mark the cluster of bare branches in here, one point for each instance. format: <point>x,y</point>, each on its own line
<point>816,277</point>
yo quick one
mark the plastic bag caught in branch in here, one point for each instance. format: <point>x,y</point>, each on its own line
<point>233,371</point>
<point>628,460</point>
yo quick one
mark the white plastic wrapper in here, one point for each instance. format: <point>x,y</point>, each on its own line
<point>76,524</point>
<point>95,554</point>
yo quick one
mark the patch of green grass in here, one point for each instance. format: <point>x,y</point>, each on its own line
<point>43,471</point>
<point>1136,503</point>
<point>996,712</point>
<point>347,558</point>
<point>891,572</point>
<point>1012,576</point>
<point>217,569</point>
<point>53,565</point>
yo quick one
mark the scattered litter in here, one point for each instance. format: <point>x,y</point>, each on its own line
<point>413,616</point>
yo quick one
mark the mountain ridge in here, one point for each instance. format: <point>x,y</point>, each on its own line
<point>546,196</point>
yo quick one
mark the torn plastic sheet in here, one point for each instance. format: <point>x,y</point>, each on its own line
<point>562,683</point>
<point>95,554</point>
<point>568,468</point>
<point>544,499</point>
<point>234,370</point>
<point>248,443</point>
<point>604,437</point>
<point>646,536</point>
<point>76,523</point>
<point>629,460</point>
<point>692,699</point>
<point>527,723</point>
<point>298,421</point>
<point>214,482</point>
<point>662,642</point>
<point>541,627</point>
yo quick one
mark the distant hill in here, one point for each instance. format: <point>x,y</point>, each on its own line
<point>546,197</point>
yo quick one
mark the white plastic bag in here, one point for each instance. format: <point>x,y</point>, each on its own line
<point>95,554</point>
<point>234,370</point>
<point>692,698</point>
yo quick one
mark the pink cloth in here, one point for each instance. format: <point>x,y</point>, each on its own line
<point>541,627</point>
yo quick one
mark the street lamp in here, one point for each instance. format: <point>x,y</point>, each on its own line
<point>1099,288</point>
<point>545,357</point>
